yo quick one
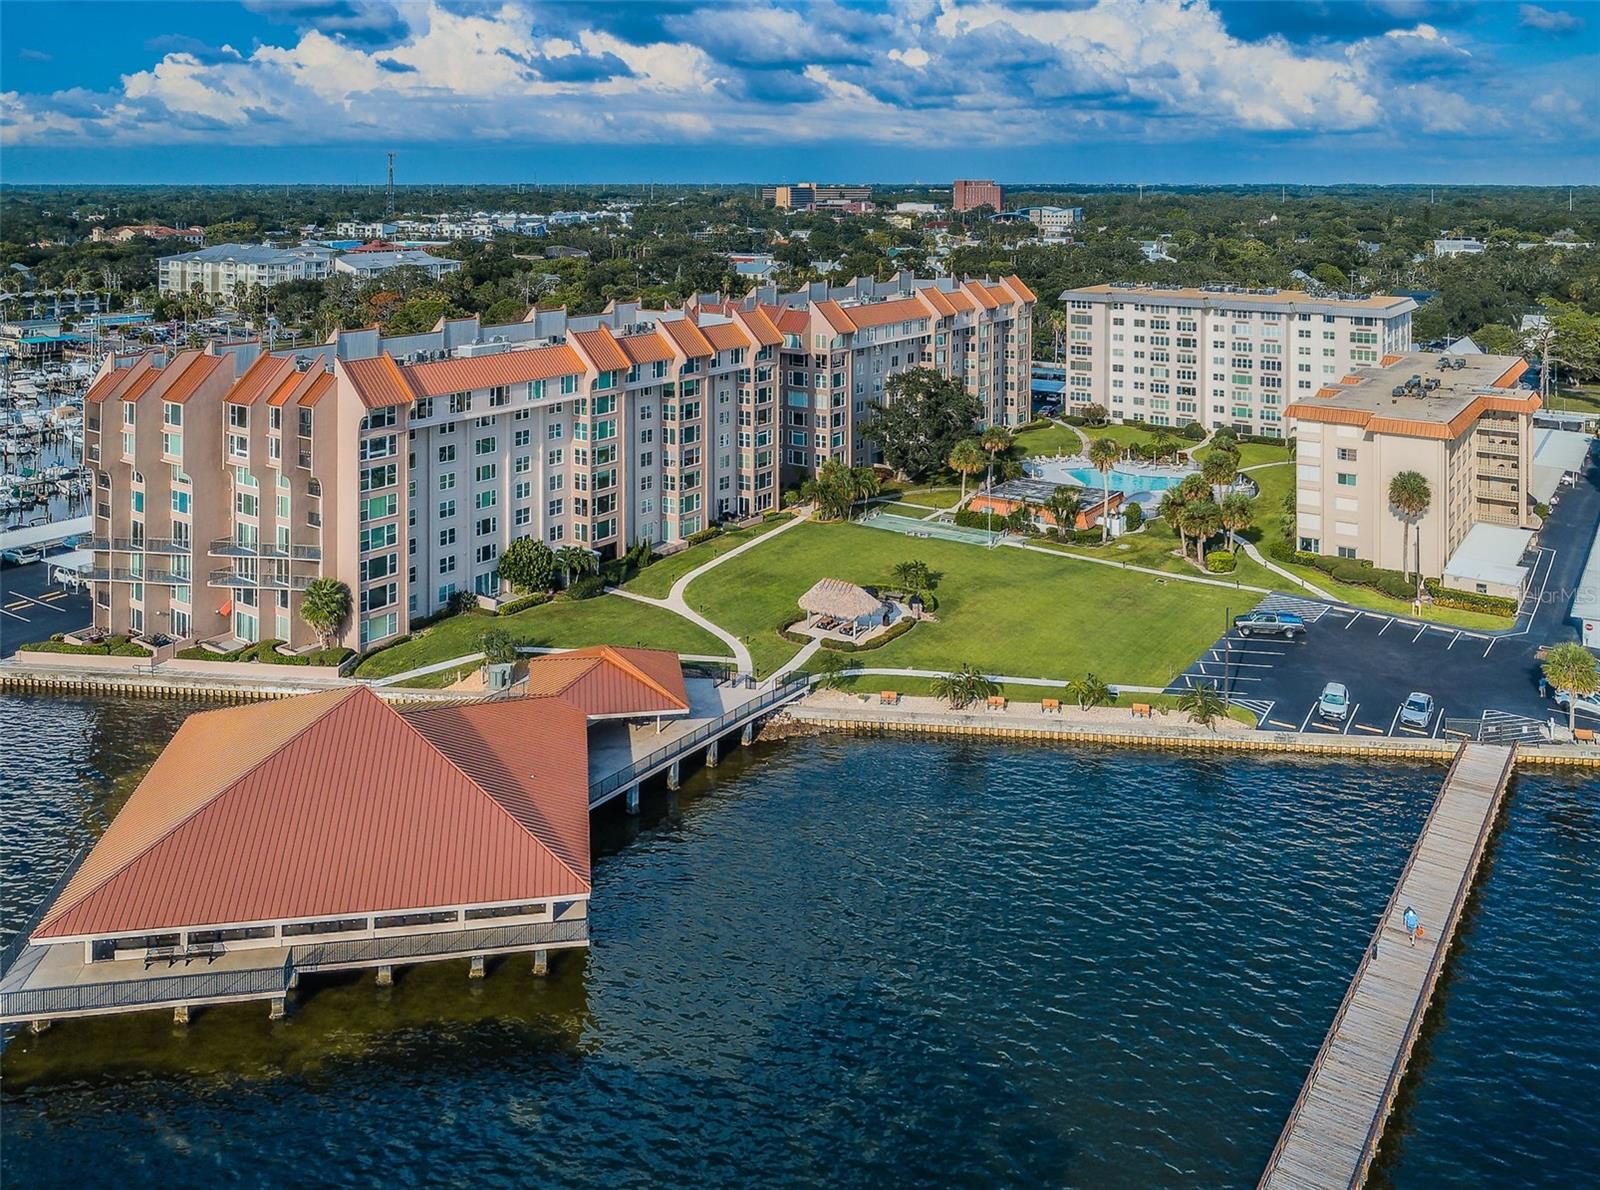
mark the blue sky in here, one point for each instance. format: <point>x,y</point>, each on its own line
<point>717,90</point>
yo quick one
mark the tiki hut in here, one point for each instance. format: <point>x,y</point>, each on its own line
<point>837,605</point>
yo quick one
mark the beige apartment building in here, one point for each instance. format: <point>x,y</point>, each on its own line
<point>1460,421</point>
<point>1219,355</point>
<point>226,480</point>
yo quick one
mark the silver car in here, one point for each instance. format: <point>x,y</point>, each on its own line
<point>1334,703</point>
<point>1417,710</point>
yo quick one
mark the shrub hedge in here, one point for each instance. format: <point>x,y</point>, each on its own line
<point>513,606</point>
<point>587,587</point>
<point>705,534</point>
<point>1220,562</point>
<point>266,653</point>
<point>1472,601</point>
<point>112,646</point>
<point>1361,573</point>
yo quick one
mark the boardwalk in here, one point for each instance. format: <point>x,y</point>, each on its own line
<point>1333,1132</point>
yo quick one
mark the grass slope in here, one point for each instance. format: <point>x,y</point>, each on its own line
<point>1005,610</point>
<point>656,579</point>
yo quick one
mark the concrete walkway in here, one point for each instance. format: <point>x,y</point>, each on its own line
<point>675,601</point>
<point>1255,556</point>
<point>1182,578</point>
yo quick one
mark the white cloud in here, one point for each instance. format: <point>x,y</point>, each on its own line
<point>1548,20</point>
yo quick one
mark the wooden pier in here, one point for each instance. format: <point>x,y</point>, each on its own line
<point>1333,1132</point>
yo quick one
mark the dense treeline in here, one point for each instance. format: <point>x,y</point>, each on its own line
<point>1361,239</point>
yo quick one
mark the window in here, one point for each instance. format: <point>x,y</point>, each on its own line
<point>447,454</point>
<point>1347,479</point>
<point>1347,551</point>
<point>1347,454</point>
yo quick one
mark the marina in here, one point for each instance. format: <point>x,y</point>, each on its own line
<point>42,478</point>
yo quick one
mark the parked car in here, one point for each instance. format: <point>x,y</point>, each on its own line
<point>1417,710</point>
<point>1334,703</point>
<point>1269,624</point>
<point>1588,704</point>
<point>22,555</point>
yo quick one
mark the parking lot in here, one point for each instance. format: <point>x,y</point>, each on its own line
<point>1473,676</point>
<point>32,608</point>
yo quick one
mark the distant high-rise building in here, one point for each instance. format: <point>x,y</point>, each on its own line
<point>804,196</point>
<point>969,194</point>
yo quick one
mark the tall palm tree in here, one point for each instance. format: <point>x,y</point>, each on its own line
<point>967,458</point>
<point>1409,496</point>
<point>864,484</point>
<point>1062,505</point>
<point>995,439</point>
<point>1202,519</point>
<point>1163,440</point>
<point>1171,511</point>
<point>1103,456</point>
<point>573,560</point>
<point>1238,513</point>
<point>1571,667</point>
<point>1220,467</point>
<point>964,685</point>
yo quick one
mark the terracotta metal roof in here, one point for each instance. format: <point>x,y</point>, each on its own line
<point>686,335</point>
<point>489,371</point>
<point>932,295</point>
<point>725,336</point>
<point>835,316</point>
<point>979,295</point>
<point>1015,284</point>
<point>260,379</point>
<point>645,349</point>
<point>884,313</point>
<point>600,346</point>
<point>182,378</point>
<point>787,319</point>
<point>607,680</point>
<point>378,381</point>
<point>334,803</point>
<point>759,325</point>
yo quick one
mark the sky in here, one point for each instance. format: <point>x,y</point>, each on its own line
<point>1088,91</point>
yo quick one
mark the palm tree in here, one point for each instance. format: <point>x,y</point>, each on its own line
<point>914,575</point>
<point>967,458</point>
<point>1409,496</point>
<point>1103,456</point>
<point>1201,520</point>
<point>1202,704</point>
<point>1238,513</point>
<point>1163,440</point>
<point>995,439</point>
<point>324,606</point>
<point>963,686</point>
<point>1571,667</point>
<point>1088,691</point>
<point>574,560</point>
<point>863,483</point>
<point>1171,511</point>
<point>1062,505</point>
<point>1220,467</point>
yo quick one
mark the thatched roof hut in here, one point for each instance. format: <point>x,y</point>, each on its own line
<point>842,600</point>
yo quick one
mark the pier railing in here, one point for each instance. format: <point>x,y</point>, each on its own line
<point>366,951</point>
<point>640,768</point>
<point>111,995</point>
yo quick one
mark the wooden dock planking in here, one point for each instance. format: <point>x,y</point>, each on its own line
<point>1333,1131</point>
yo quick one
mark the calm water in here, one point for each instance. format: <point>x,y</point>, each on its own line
<point>858,962</point>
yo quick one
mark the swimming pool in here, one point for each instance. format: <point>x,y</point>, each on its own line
<point>1121,481</point>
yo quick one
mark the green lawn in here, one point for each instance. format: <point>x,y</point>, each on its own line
<point>1583,399</point>
<point>872,684</point>
<point>565,623</point>
<point>935,497</point>
<point>1005,610</point>
<point>657,578</point>
<point>1153,546</point>
<point>1254,454</point>
<point>1054,439</point>
<point>1278,482</point>
<point>900,509</point>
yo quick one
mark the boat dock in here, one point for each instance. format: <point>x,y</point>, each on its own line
<point>1333,1131</point>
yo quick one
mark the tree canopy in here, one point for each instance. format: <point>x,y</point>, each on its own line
<point>922,418</point>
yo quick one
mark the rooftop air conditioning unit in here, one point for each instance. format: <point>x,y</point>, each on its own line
<point>1459,364</point>
<point>1399,390</point>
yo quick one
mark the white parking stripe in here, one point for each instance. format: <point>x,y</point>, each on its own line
<point>6,611</point>
<point>1386,627</point>
<point>1350,625</point>
<point>1418,636</point>
<point>1491,645</point>
<point>1452,643</point>
<point>1396,718</point>
<point>1350,719</point>
<point>1438,721</point>
<point>1307,719</point>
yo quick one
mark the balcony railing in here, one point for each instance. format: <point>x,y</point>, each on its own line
<point>122,574</point>
<point>150,545</point>
<point>268,581</point>
<point>227,547</point>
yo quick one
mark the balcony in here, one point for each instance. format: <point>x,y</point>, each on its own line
<point>268,582</point>
<point>227,547</point>
<point>150,545</point>
<point>121,574</point>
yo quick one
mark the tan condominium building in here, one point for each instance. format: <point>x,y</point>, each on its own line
<point>1219,355</point>
<point>967,194</point>
<point>226,480</point>
<point>1460,421</point>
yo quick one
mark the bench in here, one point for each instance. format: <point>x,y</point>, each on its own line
<point>888,698</point>
<point>1141,710</point>
<point>997,702</point>
<point>1583,735</point>
<point>1047,705</point>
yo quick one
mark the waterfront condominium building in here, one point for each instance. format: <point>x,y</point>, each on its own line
<point>1461,421</point>
<point>968,193</point>
<point>226,480</point>
<point>222,268</point>
<point>1219,355</point>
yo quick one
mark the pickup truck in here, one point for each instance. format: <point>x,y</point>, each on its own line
<point>1269,624</point>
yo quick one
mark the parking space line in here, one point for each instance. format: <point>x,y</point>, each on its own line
<point>1438,721</point>
<point>1325,727</point>
<point>6,611</point>
<point>1418,636</point>
<point>1388,625</point>
<point>16,603</point>
<point>1491,645</point>
<point>52,597</point>
<point>1413,730</point>
<point>1373,730</point>
<point>1353,620</point>
<point>1396,718</point>
<point>1350,719</point>
<point>1307,719</point>
<point>1452,643</point>
<point>1282,724</point>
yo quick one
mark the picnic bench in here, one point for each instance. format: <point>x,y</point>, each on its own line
<point>1048,705</point>
<point>1583,735</point>
<point>1141,710</point>
<point>888,698</point>
<point>997,702</point>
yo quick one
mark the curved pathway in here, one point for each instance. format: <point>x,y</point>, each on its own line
<point>675,601</point>
<point>1255,555</point>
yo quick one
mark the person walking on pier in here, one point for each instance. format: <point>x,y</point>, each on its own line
<point>1410,918</point>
